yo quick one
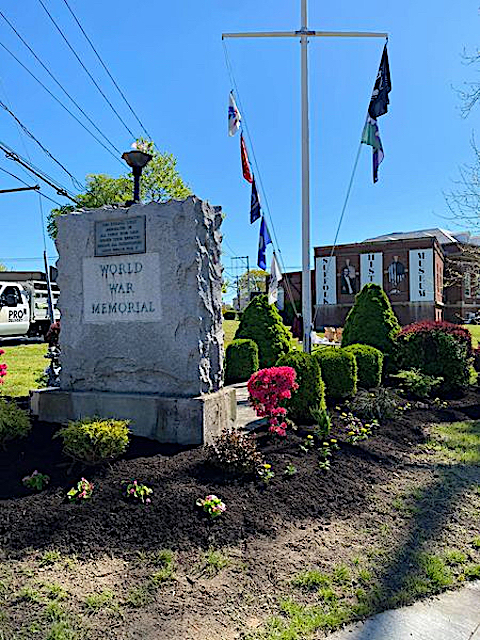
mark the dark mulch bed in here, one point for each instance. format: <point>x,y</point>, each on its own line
<point>109,523</point>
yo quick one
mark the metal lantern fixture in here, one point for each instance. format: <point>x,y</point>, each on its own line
<point>137,160</point>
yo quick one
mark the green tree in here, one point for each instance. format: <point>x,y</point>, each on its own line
<point>3,267</point>
<point>257,278</point>
<point>160,182</point>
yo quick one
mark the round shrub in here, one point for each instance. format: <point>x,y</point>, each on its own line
<point>438,353</point>
<point>311,390</point>
<point>14,423</point>
<point>456,330</point>
<point>262,323</point>
<point>369,364</point>
<point>93,440</point>
<point>241,360</point>
<point>339,372</point>
<point>229,315</point>
<point>371,321</point>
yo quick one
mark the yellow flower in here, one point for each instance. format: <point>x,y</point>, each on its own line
<point>310,437</point>
<point>325,444</point>
<point>337,408</point>
<point>344,415</point>
<point>267,466</point>
<point>333,440</point>
<point>351,433</point>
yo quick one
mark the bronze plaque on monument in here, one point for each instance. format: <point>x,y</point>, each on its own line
<point>120,237</point>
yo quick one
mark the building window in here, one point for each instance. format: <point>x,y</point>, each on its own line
<point>467,284</point>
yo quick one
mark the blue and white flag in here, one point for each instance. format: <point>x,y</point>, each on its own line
<point>255,209</point>
<point>263,240</point>
<point>234,117</point>
<point>275,277</point>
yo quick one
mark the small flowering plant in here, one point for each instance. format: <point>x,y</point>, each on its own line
<point>139,492</point>
<point>268,389</point>
<point>37,481</point>
<point>325,452</point>
<point>212,505</point>
<point>265,473</point>
<point>307,444</point>
<point>356,429</point>
<point>3,368</point>
<point>290,470</point>
<point>83,491</point>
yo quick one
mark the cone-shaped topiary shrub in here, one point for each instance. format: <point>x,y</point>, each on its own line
<point>369,364</point>
<point>339,372</point>
<point>241,360</point>
<point>372,321</point>
<point>262,323</point>
<point>311,390</point>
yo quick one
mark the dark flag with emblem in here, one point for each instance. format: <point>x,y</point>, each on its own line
<point>247,172</point>
<point>263,240</point>
<point>378,107</point>
<point>255,209</point>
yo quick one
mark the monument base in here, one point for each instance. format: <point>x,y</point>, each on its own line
<point>167,420</point>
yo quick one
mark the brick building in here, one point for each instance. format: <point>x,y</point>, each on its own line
<point>428,275</point>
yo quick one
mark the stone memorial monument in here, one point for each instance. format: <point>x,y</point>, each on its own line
<point>141,321</point>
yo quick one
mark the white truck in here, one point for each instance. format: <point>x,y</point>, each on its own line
<point>24,304</point>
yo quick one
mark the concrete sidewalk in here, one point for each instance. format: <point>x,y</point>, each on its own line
<point>451,616</point>
<point>246,416</point>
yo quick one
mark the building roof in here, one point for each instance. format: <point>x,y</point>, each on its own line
<point>443,236</point>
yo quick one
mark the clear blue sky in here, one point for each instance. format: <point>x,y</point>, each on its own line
<point>168,58</point>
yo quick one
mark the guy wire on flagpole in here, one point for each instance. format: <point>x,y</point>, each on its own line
<point>244,119</point>
<point>344,207</point>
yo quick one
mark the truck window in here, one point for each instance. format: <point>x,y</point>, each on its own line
<point>10,297</point>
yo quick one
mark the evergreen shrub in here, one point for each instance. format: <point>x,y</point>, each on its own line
<point>372,321</point>
<point>14,423</point>
<point>436,350</point>
<point>93,440</point>
<point>338,368</point>
<point>241,360</point>
<point>369,364</point>
<point>229,315</point>
<point>262,323</point>
<point>310,394</point>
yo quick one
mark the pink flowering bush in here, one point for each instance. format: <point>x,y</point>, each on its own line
<point>3,368</point>
<point>83,491</point>
<point>268,389</point>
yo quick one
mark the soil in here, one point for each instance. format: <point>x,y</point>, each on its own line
<point>314,517</point>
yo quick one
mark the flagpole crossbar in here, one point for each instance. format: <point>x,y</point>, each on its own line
<point>306,32</point>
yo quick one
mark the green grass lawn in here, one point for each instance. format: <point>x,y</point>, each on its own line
<point>475,331</point>
<point>229,328</point>
<point>25,363</point>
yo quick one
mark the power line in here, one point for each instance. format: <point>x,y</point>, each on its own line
<point>26,183</point>
<point>76,182</point>
<point>52,95</point>
<point>60,189</point>
<point>106,69</point>
<point>86,70</point>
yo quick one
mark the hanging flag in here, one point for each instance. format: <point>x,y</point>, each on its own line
<point>275,277</point>
<point>263,240</point>
<point>378,107</point>
<point>255,209</point>
<point>234,117</point>
<point>247,172</point>
<point>379,101</point>
<point>371,136</point>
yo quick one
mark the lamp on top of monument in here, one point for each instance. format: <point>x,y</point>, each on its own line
<point>137,159</point>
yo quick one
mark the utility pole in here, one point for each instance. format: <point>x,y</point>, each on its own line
<point>244,261</point>
<point>304,34</point>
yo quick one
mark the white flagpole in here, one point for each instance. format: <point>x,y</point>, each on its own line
<point>304,34</point>
<point>306,283</point>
